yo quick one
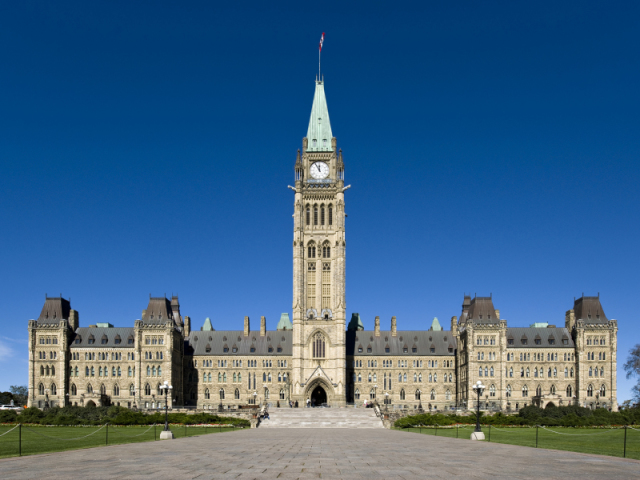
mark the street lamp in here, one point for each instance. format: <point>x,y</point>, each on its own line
<point>386,401</point>
<point>375,391</point>
<point>166,434</point>
<point>255,394</point>
<point>477,434</point>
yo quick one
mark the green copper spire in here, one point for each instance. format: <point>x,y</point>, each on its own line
<point>435,325</point>
<point>284,323</point>
<point>207,327</point>
<point>319,133</point>
<point>355,323</point>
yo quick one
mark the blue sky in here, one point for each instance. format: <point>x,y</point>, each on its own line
<point>146,147</point>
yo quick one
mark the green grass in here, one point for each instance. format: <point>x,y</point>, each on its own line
<point>586,440</point>
<point>38,439</point>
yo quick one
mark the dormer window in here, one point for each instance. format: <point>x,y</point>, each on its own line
<point>314,142</point>
<point>78,340</point>
<point>510,341</point>
<point>565,341</point>
<point>324,142</point>
<point>252,349</point>
<point>538,341</point>
<point>432,350</point>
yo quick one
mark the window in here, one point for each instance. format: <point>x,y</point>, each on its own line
<point>315,215</point>
<point>508,391</point>
<point>147,389</point>
<point>330,215</point>
<point>132,390</point>
<point>318,345</point>
<point>207,395</point>
<point>492,391</point>
<point>236,394</point>
<point>308,215</point>
<point>525,391</point>
<point>221,394</point>
<point>357,394</point>
<point>322,213</point>
<point>590,391</point>
<point>116,391</point>
<point>41,389</point>
<point>433,394</point>
<point>417,395</point>
<point>103,389</point>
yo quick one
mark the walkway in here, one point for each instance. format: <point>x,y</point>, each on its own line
<point>318,453</point>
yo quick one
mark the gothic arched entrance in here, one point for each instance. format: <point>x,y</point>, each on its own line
<point>318,396</point>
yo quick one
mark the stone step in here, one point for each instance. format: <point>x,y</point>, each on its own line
<point>321,418</point>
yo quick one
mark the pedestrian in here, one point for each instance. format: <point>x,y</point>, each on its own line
<point>308,402</point>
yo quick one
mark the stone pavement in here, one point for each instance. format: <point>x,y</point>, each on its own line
<point>318,453</point>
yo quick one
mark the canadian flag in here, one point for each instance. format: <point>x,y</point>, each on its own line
<point>321,41</point>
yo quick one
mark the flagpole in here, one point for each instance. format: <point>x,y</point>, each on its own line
<point>319,52</point>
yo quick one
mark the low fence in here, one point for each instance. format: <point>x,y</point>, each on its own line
<point>23,439</point>
<point>618,441</point>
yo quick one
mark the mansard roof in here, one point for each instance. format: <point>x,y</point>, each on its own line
<point>54,310</point>
<point>482,311</point>
<point>197,342</point>
<point>440,341</point>
<point>589,310</point>
<point>98,333</point>
<point>160,309</point>
<point>543,334</point>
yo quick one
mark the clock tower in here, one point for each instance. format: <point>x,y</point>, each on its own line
<point>319,316</point>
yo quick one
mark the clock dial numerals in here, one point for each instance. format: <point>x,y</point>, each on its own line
<point>319,170</point>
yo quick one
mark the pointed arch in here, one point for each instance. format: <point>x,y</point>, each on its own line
<point>74,389</point>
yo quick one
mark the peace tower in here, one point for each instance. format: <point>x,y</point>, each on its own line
<point>319,318</point>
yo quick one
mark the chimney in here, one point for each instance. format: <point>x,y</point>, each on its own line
<point>263,326</point>
<point>454,325</point>
<point>246,326</point>
<point>74,320</point>
<point>570,320</point>
<point>393,326</point>
<point>498,314</point>
<point>187,326</point>
<point>377,327</point>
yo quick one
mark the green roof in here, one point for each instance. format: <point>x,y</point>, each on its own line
<point>207,327</point>
<point>435,325</point>
<point>355,323</point>
<point>540,325</point>
<point>284,323</point>
<point>319,132</point>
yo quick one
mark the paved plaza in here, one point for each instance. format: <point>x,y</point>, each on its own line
<point>318,453</point>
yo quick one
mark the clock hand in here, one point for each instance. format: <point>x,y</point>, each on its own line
<point>319,168</point>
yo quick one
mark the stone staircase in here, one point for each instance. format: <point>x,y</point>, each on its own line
<point>348,417</point>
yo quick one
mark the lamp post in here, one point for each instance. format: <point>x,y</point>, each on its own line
<point>375,391</point>
<point>166,434</point>
<point>477,434</point>
<point>386,401</point>
<point>255,394</point>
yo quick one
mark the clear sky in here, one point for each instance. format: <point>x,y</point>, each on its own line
<point>146,147</point>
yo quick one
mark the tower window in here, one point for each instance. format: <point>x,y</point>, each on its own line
<point>315,215</point>
<point>318,346</point>
<point>308,215</point>
<point>330,215</point>
<point>326,251</point>
<point>311,251</point>
<point>322,215</point>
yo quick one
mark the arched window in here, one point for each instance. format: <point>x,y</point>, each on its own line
<point>219,377</point>
<point>601,371</point>
<point>433,394</point>
<point>318,345</point>
<point>311,250</point>
<point>511,372</point>
<point>266,394</point>
<point>235,377</point>
<point>74,389</point>
<point>492,391</point>
<point>590,391</point>
<point>239,377</point>
<point>308,215</point>
<point>132,390</point>
<point>207,395</point>
<point>535,372</point>
<point>603,391</point>
<point>415,378</point>
<point>330,214</point>
<point>103,389</point>
<point>47,370</point>
<point>221,394</point>
<point>508,390</point>
<point>322,214</point>
<point>236,394</point>
<point>224,377</point>
<point>538,391</point>
<point>372,394</point>
<point>569,391</point>
<point>326,250</point>
<point>447,395</point>
<point>491,371</point>
<point>552,390</point>
<point>269,378</point>
<point>89,389</point>
<point>281,394</point>
<point>357,394</point>
<point>264,377</point>
<point>159,371</point>
<point>315,214</point>
<point>41,389</point>
<point>480,371</point>
<point>147,389</point>
<point>420,378</point>
<point>402,394</point>
<point>42,370</point>
<point>525,391</point>
<point>375,378</point>
<point>116,391</point>
<point>417,394</point>
<point>527,372</point>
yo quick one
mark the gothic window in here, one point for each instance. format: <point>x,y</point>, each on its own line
<point>433,394</point>
<point>417,395</point>
<point>326,250</point>
<point>42,370</point>
<point>236,394</point>
<point>103,389</point>
<point>41,389</point>
<point>402,394</point>
<point>525,391</point>
<point>571,375</point>
<point>372,394</point>
<point>548,373</point>
<point>538,391</point>
<point>420,378</point>
<point>224,377</point>
<point>315,215</point>
<point>207,395</point>
<point>86,371</point>
<point>527,372</point>
<point>491,371</point>
<point>330,215</point>
<point>357,394</point>
<point>360,377</point>
<point>603,391</point>
<point>508,390</point>
<point>591,371</point>
<point>269,378</point>
<point>590,391</point>
<point>266,394</point>
<point>239,377</point>
<point>492,391</point>
<point>116,391</point>
<point>132,390</point>
<point>311,250</point>
<point>322,214</point>
<point>318,345</point>
<point>480,372</point>
<point>511,372</point>
<point>535,372</point>
<point>221,394</point>
<point>308,215</point>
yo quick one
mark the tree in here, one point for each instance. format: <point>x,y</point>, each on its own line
<point>20,394</point>
<point>632,367</point>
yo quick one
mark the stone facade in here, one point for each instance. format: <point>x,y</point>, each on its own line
<point>317,356</point>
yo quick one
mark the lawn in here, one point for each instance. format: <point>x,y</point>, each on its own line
<point>602,441</point>
<point>30,440</point>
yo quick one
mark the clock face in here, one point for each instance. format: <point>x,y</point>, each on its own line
<point>319,170</point>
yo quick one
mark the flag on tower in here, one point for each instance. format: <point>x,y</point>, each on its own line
<point>321,41</point>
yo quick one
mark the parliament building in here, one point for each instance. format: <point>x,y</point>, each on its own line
<point>317,354</point>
